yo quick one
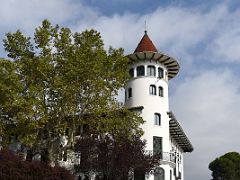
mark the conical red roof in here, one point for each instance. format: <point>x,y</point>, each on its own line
<point>145,44</point>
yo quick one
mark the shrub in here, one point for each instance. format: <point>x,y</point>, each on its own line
<point>14,167</point>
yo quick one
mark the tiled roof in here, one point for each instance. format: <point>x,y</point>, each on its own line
<point>145,45</point>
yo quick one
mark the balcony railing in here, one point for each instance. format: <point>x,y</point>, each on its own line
<point>164,156</point>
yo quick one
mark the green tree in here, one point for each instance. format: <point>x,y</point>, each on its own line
<point>226,167</point>
<point>52,81</point>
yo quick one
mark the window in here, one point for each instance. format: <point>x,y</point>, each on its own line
<point>78,130</point>
<point>151,71</point>
<point>129,92</point>
<point>65,156</point>
<point>139,174</point>
<point>174,171</point>
<point>160,72</point>
<point>140,71</point>
<point>67,131</point>
<point>85,129</point>
<point>131,72</point>
<point>170,174</point>
<point>160,91</point>
<point>159,173</point>
<point>152,90</point>
<point>157,145</point>
<point>29,156</point>
<point>157,119</point>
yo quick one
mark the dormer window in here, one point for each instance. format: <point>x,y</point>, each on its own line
<point>151,71</point>
<point>140,71</point>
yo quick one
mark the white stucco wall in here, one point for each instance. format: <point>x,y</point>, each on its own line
<point>153,104</point>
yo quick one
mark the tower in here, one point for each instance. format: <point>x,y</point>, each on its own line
<point>146,92</point>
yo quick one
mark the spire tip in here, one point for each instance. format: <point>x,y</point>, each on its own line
<point>145,31</point>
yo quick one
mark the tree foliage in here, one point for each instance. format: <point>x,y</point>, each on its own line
<point>113,157</point>
<point>226,167</point>
<point>53,80</point>
<point>13,167</point>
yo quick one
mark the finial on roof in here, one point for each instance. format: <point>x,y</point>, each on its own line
<point>145,31</point>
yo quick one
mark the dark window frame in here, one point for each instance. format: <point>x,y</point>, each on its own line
<point>160,73</point>
<point>140,71</point>
<point>152,90</point>
<point>159,173</point>
<point>129,93</point>
<point>131,72</point>
<point>160,91</point>
<point>157,119</point>
<point>151,70</point>
<point>157,145</point>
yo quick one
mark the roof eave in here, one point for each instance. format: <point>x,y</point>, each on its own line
<point>178,134</point>
<point>170,63</point>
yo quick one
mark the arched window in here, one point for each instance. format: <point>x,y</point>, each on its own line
<point>157,119</point>
<point>131,72</point>
<point>129,92</point>
<point>97,177</point>
<point>160,91</point>
<point>151,71</point>
<point>160,72</point>
<point>140,71</point>
<point>159,173</point>
<point>152,90</point>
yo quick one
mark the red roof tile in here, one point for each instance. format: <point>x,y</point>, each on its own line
<point>145,44</point>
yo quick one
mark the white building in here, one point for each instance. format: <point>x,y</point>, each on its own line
<point>147,93</point>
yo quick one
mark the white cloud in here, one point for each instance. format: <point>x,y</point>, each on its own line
<point>207,107</point>
<point>226,46</point>
<point>187,34</point>
<point>27,15</point>
<point>173,29</point>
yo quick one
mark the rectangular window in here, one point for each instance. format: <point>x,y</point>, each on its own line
<point>140,71</point>
<point>157,145</point>
<point>160,72</point>
<point>129,92</point>
<point>139,174</point>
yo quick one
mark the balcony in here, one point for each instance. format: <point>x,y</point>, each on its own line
<point>164,156</point>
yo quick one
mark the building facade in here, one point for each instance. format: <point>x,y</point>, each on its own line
<point>146,92</point>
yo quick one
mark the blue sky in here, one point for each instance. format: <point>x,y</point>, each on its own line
<point>203,35</point>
